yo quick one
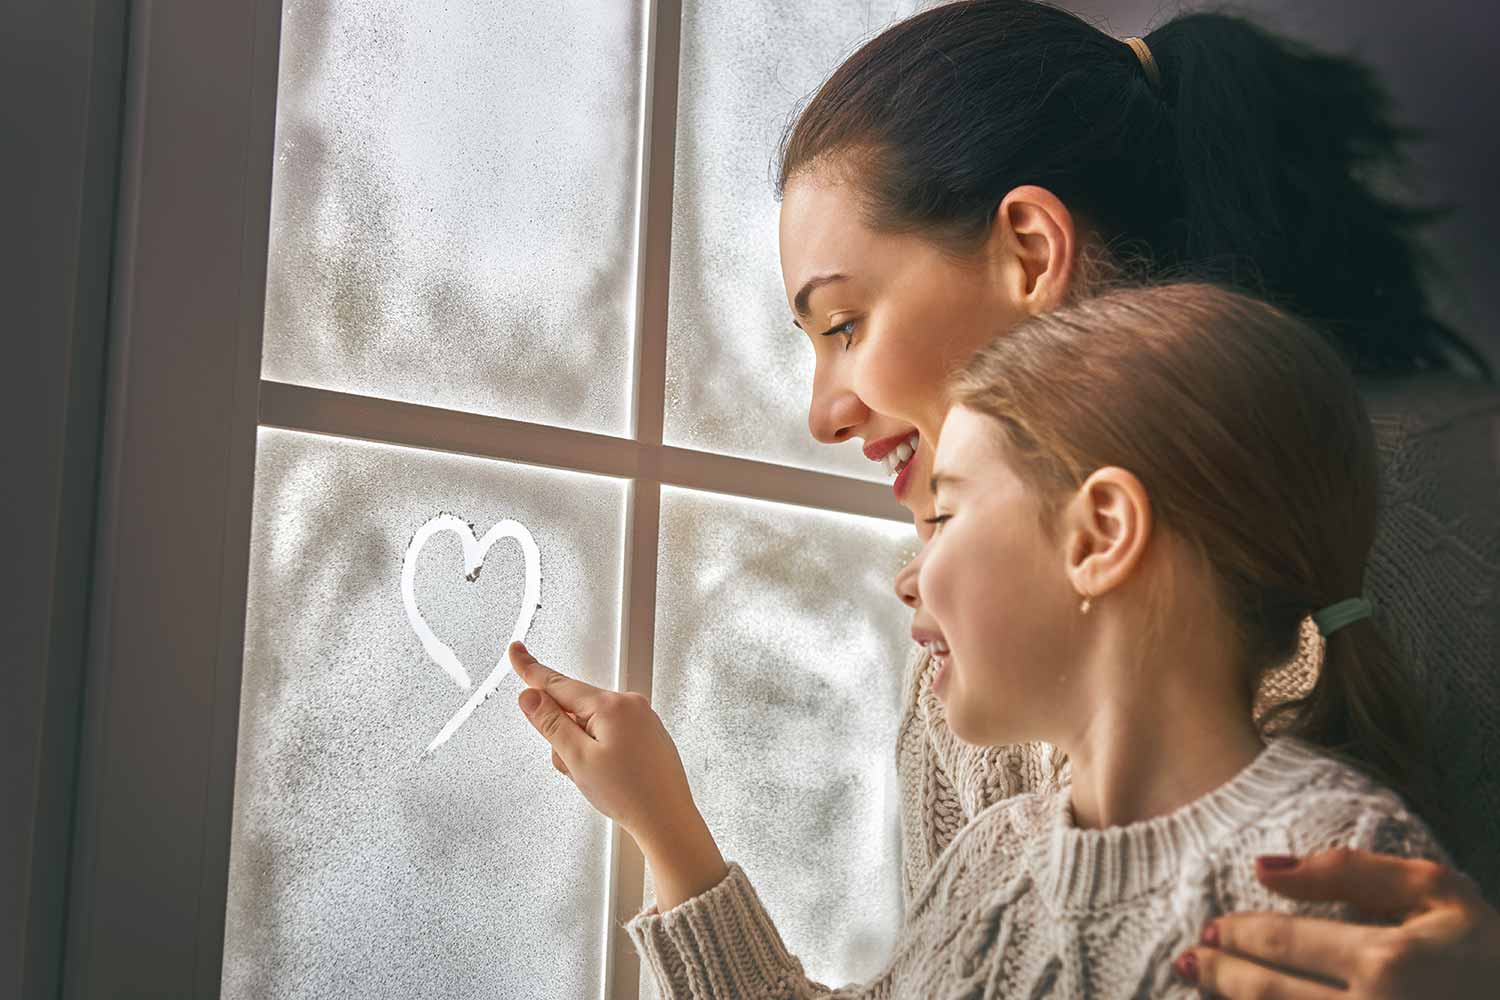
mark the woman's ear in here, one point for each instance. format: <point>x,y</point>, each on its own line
<point>1032,248</point>
<point>1108,524</point>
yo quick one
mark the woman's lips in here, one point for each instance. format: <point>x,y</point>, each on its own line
<point>877,450</point>
<point>903,478</point>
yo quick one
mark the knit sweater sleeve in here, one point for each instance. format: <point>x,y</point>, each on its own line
<point>946,782</point>
<point>722,945</point>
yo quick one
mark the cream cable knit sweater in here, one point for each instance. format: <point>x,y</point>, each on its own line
<point>1024,904</point>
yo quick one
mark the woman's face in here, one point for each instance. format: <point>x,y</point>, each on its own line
<point>1007,634</point>
<point>889,317</point>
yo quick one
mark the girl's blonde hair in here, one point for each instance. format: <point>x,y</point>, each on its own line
<point>1249,436</point>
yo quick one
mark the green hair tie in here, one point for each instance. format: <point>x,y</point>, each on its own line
<point>1336,616</point>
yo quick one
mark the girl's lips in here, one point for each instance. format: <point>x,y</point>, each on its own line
<point>940,677</point>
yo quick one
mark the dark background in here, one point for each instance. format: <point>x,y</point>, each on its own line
<point>62,72</point>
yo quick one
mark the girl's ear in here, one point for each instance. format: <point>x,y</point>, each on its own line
<point>1032,248</point>
<point>1107,525</point>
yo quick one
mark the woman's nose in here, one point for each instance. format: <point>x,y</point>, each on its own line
<point>906,582</point>
<point>835,413</point>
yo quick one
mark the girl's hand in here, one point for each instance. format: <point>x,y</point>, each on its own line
<point>1447,944</point>
<point>615,749</point>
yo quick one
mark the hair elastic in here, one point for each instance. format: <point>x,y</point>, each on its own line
<point>1347,612</point>
<point>1148,61</point>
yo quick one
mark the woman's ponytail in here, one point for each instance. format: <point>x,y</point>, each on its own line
<point>1256,162</point>
<point>1278,150</point>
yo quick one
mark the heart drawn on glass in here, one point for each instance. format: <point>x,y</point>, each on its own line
<point>474,553</point>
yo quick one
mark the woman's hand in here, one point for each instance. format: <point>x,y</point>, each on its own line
<point>1447,943</point>
<point>615,749</point>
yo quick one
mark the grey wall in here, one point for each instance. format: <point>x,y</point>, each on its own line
<point>61,71</point>
<point>1437,58</point>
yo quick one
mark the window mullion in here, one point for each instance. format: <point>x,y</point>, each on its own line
<point>663,28</point>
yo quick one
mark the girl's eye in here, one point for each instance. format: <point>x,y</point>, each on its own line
<point>936,521</point>
<point>845,330</point>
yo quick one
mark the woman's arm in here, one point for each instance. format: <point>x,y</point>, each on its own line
<point>946,782</point>
<point>1446,944</point>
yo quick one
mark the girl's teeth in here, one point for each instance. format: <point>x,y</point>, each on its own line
<point>903,451</point>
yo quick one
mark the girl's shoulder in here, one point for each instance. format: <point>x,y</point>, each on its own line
<point>1323,803</point>
<point>1334,805</point>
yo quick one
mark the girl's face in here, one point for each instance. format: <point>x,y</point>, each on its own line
<point>889,317</point>
<point>994,588</point>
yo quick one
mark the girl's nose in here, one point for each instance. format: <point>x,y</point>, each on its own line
<point>834,414</point>
<point>906,582</point>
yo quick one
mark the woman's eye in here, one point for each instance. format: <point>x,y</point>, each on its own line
<point>938,521</point>
<point>845,330</point>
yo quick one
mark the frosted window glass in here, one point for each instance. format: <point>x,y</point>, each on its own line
<point>779,652</point>
<point>360,865</point>
<point>739,374</point>
<point>453,210</point>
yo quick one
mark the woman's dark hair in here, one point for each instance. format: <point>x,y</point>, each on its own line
<point>1254,164</point>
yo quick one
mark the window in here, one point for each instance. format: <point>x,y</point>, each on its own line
<point>523,269</point>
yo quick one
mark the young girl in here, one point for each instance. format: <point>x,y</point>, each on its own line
<point>1174,479</point>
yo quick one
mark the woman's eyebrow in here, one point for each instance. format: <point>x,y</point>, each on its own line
<point>799,302</point>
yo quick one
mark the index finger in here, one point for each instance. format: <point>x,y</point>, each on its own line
<point>1377,884</point>
<point>573,695</point>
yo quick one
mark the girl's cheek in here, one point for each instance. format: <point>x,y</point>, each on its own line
<point>933,582</point>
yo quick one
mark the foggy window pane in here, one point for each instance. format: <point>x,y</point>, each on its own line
<point>453,215</point>
<point>738,373</point>
<point>362,866</point>
<point>780,647</point>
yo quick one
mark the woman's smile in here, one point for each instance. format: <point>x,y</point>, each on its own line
<point>895,453</point>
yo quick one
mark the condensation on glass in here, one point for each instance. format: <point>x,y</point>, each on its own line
<point>779,652</point>
<point>739,374</point>
<point>361,866</point>
<point>453,219</point>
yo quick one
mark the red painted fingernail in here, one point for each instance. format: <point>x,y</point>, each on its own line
<point>1186,966</point>
<point>1210,936</point>
<point>1276,862</point>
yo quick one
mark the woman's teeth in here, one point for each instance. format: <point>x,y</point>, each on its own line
<point>898,455</point>
<point>937,647</point>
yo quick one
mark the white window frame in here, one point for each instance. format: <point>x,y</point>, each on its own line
<point>149,871</point>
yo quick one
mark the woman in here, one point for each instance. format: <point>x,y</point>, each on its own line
<point>986,161</point>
